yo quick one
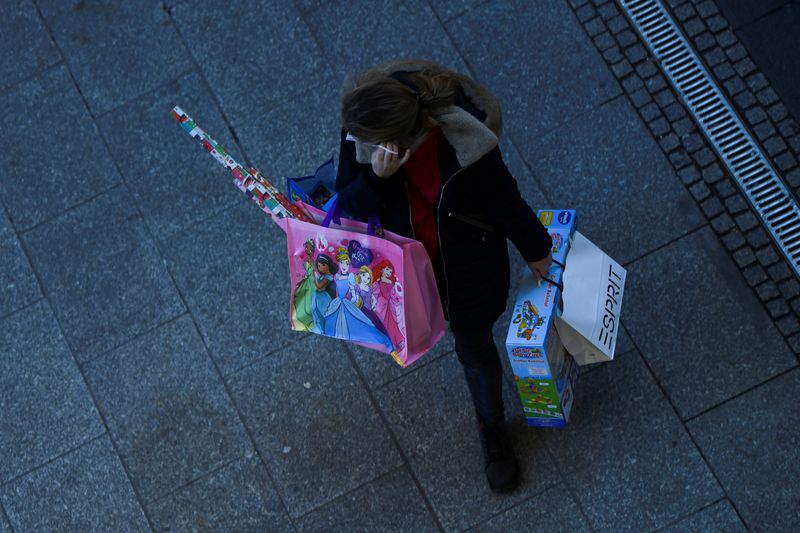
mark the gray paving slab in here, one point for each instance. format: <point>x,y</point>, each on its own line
<point>18,284</point>
<point>625,454</point>
<point>172,178</point>
<point>4,525</point>
<point>708,340</point>
<point>743,13</point>
<point>751,443</point>
<point>25,41</point>
<point>84,490</point>
<point>266,56</point>
<point>295,136</point>
<point>238,294</point>
<point>174,422</point>
<point>313,423</point>
<point>526,180</point>
<point>770,38</point>
<point>552,510</point>
<point>624,341</point>
<point>309,5</point>
<point>718,517</point>
<point>378,368</point>
<point>449,9</point>
<point>58,159</point>
<point>385,31</point>
<point>390,503</point>
<point>116,50</point>
<point>606,165</point>
<point>47,409</point>
<point>102,274</point>
<point>512,49</point>
<point>431,414</point>
<point>237,497</point>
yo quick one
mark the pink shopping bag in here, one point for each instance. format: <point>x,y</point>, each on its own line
<point>351,284</point>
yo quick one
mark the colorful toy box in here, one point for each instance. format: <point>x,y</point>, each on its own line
<point>544,373</point>
<point>318,190</point>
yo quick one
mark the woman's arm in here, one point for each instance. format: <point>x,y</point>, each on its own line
<point>360,189</point>
<point>511,213</point>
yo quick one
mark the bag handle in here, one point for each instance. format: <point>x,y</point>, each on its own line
<point>554,283</point>
<point>374,228</point>
<point>559,286</point>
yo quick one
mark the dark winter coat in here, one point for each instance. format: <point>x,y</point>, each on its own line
<point>478,208</point>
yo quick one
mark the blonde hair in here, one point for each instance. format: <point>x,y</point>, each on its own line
<point>364,270</point>
<point>341,254</point>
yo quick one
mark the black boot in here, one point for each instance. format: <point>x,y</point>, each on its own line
<point>500,462</point>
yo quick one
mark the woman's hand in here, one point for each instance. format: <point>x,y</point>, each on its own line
<point>540,267</point>
<point>384,163</point>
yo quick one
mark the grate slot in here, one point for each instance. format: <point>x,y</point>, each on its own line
<point>695,86</point>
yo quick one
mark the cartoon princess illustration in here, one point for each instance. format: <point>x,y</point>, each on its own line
<point>302,316</point>
<point>367,301</point>
<point>388,305</point>
<point>344,319</point>
<point>324,290</point>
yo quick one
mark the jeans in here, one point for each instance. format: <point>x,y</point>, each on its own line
<point>477,353</point>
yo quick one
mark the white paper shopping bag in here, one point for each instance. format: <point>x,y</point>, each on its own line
<point>592,299</point>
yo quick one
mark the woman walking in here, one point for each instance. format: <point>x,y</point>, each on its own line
<point>419,149</point>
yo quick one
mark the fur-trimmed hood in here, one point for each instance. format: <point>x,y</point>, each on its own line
<point>470,138</point>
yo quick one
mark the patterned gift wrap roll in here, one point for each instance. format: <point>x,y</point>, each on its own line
<point>251,182</point>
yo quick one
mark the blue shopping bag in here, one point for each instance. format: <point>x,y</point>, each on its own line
<point>318,190</point>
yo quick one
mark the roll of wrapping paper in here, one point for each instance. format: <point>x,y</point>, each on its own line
<point>251,182</point>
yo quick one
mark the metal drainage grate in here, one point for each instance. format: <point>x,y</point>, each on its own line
<point>745,160</point>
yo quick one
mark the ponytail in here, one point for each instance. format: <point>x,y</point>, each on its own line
<point>384,107</point>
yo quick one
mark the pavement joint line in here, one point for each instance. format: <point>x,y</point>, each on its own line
<point>414,368</point>
<point>190,225</point>
<point>534,175</point>
<point>258,360</point>
<point>566,481</point>
<point>55,458</point>
<point>89,391</point>
<point>204,82</point>
<point>4,514</point>
<point>232,401</point>
<point>760,18</point>
<point>428,505</point>
<point>317,41</point>
<point>202,476</point>
<point>683,423</point>
<point>69,209</point>
<point>107,353</point>
<point>692,156</point>
<point>579,116</point>
<point>15,85</point>
<point>736,396</point>
<point>667,244</point>
<point>23,308</point>
<point>144,94</point>
<point>694,513</point>
<point>526,499</point>
<point>351,491</point>
<point>66,63</point>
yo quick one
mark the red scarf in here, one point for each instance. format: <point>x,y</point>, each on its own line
<point>424,183</point>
